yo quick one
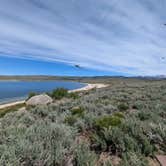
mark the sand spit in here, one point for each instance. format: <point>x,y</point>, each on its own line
<point>89,87</point>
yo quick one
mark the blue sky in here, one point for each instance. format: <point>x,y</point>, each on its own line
<point>17,66</point>
<point>104,37</point>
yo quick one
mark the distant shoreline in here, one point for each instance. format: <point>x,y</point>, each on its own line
<point>89,87</point>
<point>85,88</point>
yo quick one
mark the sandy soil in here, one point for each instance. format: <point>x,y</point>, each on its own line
<point>86,88</point>
<point>89,87</point>
<point>11,104</point>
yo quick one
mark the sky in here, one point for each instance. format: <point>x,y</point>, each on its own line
<point>103,37</point>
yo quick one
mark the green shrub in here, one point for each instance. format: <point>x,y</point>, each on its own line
<point>133,159</point>
<point>31,94</point>
<point>130,144</point>
<point>107,121</point>
<point>98,143</point>
<point>119,114</point>
<point>123,107</point>
<point>113,140</point>
<point>144,115</point>
<point>145,146</point>
<point>84,157</point>
<point>79,112</point>
<point>40,143</point>
<point>73,95</point>
<point>59,93</point>
<point>138,105</point>
<point>41,111</point>
<point>76,113</point>
<point>70,120</point>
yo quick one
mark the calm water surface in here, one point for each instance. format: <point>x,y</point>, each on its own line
<point>17,90</point>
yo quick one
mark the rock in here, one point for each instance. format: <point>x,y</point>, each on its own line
<point>161,159</point>
<point>42,99</point>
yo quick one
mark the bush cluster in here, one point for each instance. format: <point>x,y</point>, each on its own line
<point>108,121</point>
<point>31,94</point>
<point>75,113</point>
<point>123,107</point>
<point>59,93</point>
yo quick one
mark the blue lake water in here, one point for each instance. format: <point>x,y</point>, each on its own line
<point>17,90</point>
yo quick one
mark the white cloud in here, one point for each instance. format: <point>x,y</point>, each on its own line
<point>121,36</point>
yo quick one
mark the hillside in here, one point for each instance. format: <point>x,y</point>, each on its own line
<point>120,125</point>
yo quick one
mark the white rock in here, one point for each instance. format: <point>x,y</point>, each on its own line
<point>42,99</point>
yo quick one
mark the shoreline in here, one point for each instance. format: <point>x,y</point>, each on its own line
<point>89,87</point>
<point>2,106</point>
<point>85,88</point>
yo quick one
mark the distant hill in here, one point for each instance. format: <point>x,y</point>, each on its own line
<point>76,78</point>
<point>31,77</point>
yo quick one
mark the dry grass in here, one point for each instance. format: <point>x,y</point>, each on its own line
<point>9,109</point>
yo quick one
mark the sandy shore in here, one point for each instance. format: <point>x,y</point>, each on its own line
<point>11,104</point>
<point>86,88</point>
<point>89,87</point>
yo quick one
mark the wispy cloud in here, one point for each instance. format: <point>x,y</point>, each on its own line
<point>122,36</point>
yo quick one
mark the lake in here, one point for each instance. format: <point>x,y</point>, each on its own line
<point>19,90</point>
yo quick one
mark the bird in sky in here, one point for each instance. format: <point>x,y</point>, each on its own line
<point>78,66</point>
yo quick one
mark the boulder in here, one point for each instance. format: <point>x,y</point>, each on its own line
<point>42,99</point>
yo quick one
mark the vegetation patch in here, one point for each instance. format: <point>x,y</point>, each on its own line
<point>55,134</point>
<point>59,93</point>
<point>70,120</point>
<point>144,115</point>
<point>31,94</point>
<point>78,111</point>
<point>73,95</point>
<point>108,121</point>
<point>6,110</point>
<point>123,107</point>
<point>119,114</point>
